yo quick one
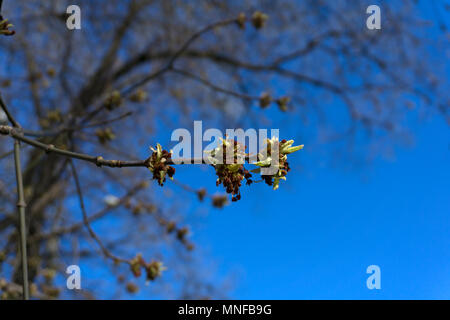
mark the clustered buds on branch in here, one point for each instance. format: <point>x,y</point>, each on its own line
<point>264,161</point>
<point>152,269</point>
<point>283,103</point>
<point>266,100</point>
<point>228,161</point>
<point>4,27</point>
<point>105,135</point>
<point>113,101</point>
<point>139,96</point>
<point>157,164</point>
<point>258,20</point>
<point>230,175</point>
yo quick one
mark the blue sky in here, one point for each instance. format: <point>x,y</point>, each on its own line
<point>315,236</point>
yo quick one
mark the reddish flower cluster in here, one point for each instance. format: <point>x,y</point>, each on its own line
<point>232,175</point>
<point>232,179</point>
<point>157,163</point>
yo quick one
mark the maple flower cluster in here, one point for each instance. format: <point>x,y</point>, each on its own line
<point>229,174</point>
<point>228,160</point>
<point>265,161</point>
<point>157,164</point>
<point>152,269</point>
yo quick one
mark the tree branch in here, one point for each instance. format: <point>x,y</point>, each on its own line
<point>105,251</point>
<point>20,203</point>
<point>98,160</point>
<point>215,87</point>
<point>8,114</point>
<point>22,227</point>
<point>98,215</point>
<point>180,52</point>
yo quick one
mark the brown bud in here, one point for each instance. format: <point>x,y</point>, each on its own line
<point>219,201</point>
<point>241,20</point>
<point>154,270</point>
<point>135,265</point>
<point>201,194</point>
<point>105,135</point>
<point>132,288</point>
<point>113,101</point>
<point>259,19</point>
<point>139,96</point>
<point>51,72</point>
<point>182,233</point>
<point>283,103</point>
<point>171,227</point>
<point>265,100</point>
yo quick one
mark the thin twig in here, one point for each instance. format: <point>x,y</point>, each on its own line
<point>21,206</point>
<point>179,53</point>
<point>166,68</point>
<point>21,201</point>
<point>196,35</point>
<point>8,114</point>
<point>98,160</point>
<point>94,236</point>
<point>215,87</point>
<point>56,132</point>
<point>98,215</point>
<point>7,154</point>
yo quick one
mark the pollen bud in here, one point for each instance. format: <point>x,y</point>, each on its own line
<point>154,270</point>
<point>113,101</point>
<point>139,96</point>
<point>265,100</point>
<point>105,135</point>
<point>219,201</point>
<point>132,288</point>
<point>241,19</point>
<point>283,103</point>
<point>259,19</point>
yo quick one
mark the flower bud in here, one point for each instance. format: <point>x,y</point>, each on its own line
<point>283,103</point>
<point>241,19</point>
<point>139,96</point>
<point>259,19</point>
<point>113,101</point>
<point>265,100</point>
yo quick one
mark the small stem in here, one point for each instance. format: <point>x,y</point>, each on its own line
<point>98,160</point>
<point>92,233</point>
<point>215,87</point>
<point>8,114</point>
<point>22,227</point>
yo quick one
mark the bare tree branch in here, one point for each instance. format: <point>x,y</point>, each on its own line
<point>94,236</point>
